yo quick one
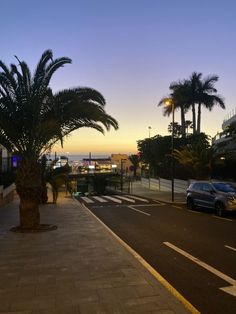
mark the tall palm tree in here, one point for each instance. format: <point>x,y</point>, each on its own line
<point>33,119</point>
<point>179,95</point>
<point>193,85</point>
<point>207,96</point>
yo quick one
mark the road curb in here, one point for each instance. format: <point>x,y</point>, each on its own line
<point>147,266</point>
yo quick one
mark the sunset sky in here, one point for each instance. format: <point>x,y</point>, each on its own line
<point>130,51</point>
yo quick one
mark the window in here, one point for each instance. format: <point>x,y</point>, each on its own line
<point>206,187</point>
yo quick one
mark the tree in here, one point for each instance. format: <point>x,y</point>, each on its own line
<point>135,162</point>
<point>156,152</point>
<point>180,97</point>
<point>177,129</point>
<point>33,119</point>
<point>188,124</point>
<point>193,97</point>
<point>188,93</point>
<point>197,156</point>
<point>207,96</point>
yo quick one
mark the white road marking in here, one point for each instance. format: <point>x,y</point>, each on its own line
<point>87,200</point>
<point>138,198</point>
<point>146,205</point>
<point>139,211</point>
<point>178,207</point>
<point>231,289</point>
<point>100,199</point>
<point>158,202</point>
<point>193,211</point>
<point>125,198</point>
<point>112,199</point>
<point>227,219</point>
<point>230,247</point>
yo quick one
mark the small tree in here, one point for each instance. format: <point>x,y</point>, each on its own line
<point>196,157</point>
<point>135,160</point>
<point>177,129</point>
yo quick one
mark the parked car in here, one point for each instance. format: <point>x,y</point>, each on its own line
<point>218,195</point>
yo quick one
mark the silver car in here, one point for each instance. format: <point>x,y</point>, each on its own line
<point>218,195</point>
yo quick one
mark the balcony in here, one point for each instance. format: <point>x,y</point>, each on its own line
<point>229,119</point>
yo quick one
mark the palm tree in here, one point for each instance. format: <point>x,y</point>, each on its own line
<point>179,96</point>
<point>193,90</point>
<point>207,96</point>
<point>188,124</point>
<point>135,160</point>
<point>178,130</point>
<point>197,160</point>
<point>33,119</point>
<point>187,94</point>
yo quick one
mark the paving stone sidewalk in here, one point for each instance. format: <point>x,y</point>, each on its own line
<point>80,268</point>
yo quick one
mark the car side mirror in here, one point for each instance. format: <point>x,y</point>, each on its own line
<point>212,192</point>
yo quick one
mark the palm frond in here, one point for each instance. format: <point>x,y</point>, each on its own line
<point>33,119</point>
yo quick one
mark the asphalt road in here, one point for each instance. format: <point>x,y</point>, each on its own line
<point>194,251</point>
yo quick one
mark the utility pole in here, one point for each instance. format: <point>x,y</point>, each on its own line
<point>149,170</point>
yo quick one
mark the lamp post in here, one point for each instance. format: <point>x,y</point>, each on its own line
<point>169,102</point>
<point>149,131</point>
<point>149,170</point>
<point>121,173</point>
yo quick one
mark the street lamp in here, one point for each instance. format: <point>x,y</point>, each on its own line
<point>170,102</point>
<point>149,170</point>
<point>122,161</point>
<point>149,131</point>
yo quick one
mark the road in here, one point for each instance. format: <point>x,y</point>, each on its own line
<point>194,251</point>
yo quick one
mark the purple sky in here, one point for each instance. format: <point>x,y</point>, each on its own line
<point>130,50</point>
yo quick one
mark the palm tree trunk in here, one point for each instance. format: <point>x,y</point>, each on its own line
<point>194,118</point>
<point>28,186</point>
<point>183,122</point>
<point>29,214</point>
<point>199,118</point>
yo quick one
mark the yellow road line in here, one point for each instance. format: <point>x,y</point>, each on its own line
<point>155,274</point>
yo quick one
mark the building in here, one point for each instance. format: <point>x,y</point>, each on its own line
<point>5,160</point>
<point>122,162</point>
<point>102,165</point>
<point>7,187</point>
<point>221,138</point>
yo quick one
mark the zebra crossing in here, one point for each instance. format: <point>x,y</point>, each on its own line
<point>114,199</point>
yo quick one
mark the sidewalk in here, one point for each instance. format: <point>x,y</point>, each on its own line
<point>80,268</point>
<point>142,190</point>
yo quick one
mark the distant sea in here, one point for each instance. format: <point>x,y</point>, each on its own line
<point>80,157</point>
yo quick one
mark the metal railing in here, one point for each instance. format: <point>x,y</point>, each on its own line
<point>162,184</point>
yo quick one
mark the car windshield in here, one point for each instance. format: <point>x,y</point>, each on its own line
<point>224,187</point>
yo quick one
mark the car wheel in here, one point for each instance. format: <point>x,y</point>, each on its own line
<point>190,203</point>
<point>219,208</point>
